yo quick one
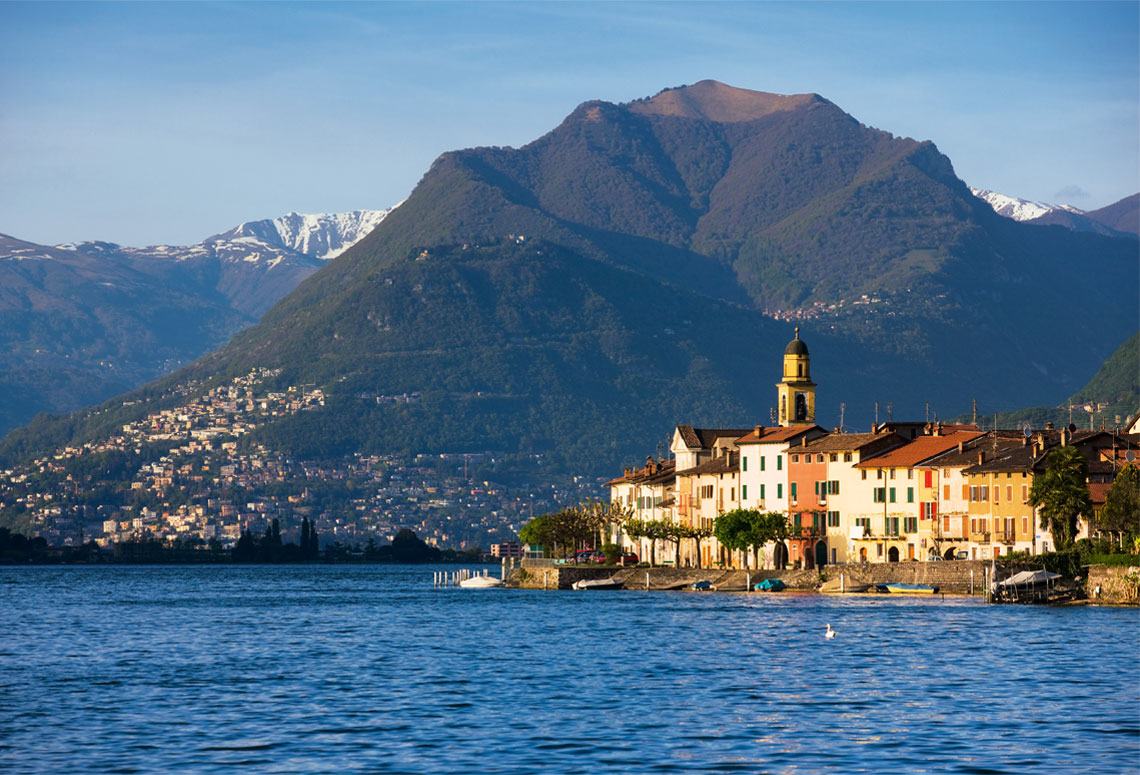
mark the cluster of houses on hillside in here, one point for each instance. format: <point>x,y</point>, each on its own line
<point>905,491</point>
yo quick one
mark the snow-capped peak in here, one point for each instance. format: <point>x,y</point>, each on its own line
<point>321,235</point>
<point>1018,209</point>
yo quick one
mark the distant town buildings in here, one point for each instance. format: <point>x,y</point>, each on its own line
<point>904,491</point>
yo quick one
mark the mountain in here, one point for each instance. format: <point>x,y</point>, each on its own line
<point>1113,392</point>
<point>1019,209</point>
<point>1122,216</point>
<point>81,322</point>
<point>1120,219</point>
<point>643,264</point>
<point>324,236</point>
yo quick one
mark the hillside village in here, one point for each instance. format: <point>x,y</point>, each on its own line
<point>923,491</point>
<point>185,474</point>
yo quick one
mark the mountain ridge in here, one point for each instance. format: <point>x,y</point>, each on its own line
<point>629,270</point>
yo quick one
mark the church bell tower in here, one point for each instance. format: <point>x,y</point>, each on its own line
<point>796,390</point>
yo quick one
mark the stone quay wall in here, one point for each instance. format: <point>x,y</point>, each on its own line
<point>1113,585</point>
<point>949,576</point>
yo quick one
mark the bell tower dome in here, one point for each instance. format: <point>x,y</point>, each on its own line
<point>796,390</point>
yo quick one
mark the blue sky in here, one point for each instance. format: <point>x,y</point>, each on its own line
<point>142,123</point>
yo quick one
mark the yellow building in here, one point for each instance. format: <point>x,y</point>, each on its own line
<point>796,390</point>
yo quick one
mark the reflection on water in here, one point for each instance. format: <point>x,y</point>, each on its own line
<point>370,669</point>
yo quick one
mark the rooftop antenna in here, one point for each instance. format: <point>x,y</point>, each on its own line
<point>842,412</point>
<point>660,450</point>
<point>876,415</point>
<point>890,411</point>
<point>772,416</point>
<point>928,412</point>
<point>1070,413</point>
<point>974,421</point>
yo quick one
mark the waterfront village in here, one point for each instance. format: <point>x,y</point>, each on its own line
<point>183,474</point>
<point>904,491</point>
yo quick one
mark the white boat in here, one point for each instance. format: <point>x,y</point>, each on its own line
<point>610,583</point>
<point>481,582</point>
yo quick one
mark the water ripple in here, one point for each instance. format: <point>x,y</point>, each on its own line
<point>370,670</point>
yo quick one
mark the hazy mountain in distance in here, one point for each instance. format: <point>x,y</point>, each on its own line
<point>83,321</point>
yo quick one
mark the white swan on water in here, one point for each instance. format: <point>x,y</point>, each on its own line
<point>830,632</point>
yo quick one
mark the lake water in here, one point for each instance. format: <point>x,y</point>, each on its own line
<point>369,669</point>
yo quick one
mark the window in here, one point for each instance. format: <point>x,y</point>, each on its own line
<point>909,473</point>
<point>864,475</point>
<point>891,525</point>
<point>928,479</point>
<point>892,473</point>
<point>779,490</point>
<point>732,493</point>
<point>793,490</point>
<point>863,522</point>
<point>819,458</point>
<point>743,463</point>
<point>879,474</point>
<point>833,458</point>
<point>1025,526</point>
<point>795,458</point>
<point>833,487</point>
<point>983,492</point>
<point>833,519</point>
<point>796,521</point>
<point>892,495</point>
<point>879,495</point>
<point>1025,493</point>
<point>743,492</point>
<point>761,462</point>
<point>779,462</point>
<point>945,492</point>
<point>910,525</point>
<point>846,457</point>
<point>997,493</point>
<point>761,492</point>
<point>910,495</point>
<point>946,525</point>
<point>966,492</point>
<point>1009,493</point>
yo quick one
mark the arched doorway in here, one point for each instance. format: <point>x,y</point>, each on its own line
<point>821,554</point>
<point>862,554</point>
<point>780,555</point>
<point>893,554</point>
<point>949,554</point>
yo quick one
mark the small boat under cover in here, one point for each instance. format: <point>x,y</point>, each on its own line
<point>481,582</point>
<point>610,583</point>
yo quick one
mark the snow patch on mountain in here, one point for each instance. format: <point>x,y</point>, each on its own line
<point>322,235</point>
<point>1018,209</point>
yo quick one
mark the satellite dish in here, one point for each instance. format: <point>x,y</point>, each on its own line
<point>1072,428</point>
<point>1028,431</point>
<point>1129,456</point>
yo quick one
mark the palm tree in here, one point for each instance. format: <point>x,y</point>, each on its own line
<point>1062,495</point>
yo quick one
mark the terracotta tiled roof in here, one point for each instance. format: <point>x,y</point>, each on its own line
<point>844,442</point>
<point>1098,491</point>
<point>917,451</point>
<point>704,438</point>
<point>762,435</point>
<point>719,465</point>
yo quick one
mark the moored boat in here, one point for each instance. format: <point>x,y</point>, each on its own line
<point>481,582</point>
<point>610,583</point>
<point>771,585</point>
<point>911,589</point>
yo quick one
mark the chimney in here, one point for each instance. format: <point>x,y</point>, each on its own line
<point>803,441</point>
<point>961,447</point>
<point>1064,437</point>
<point>1048,426</point>
<point>981,456</point>
<point>759,430</point>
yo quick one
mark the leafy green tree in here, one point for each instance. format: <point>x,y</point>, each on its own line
<point>1121,512</point>
<point>1062,495</point>
<point>736,529</point>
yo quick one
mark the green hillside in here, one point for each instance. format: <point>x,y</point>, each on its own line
<point>1113,392</point>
